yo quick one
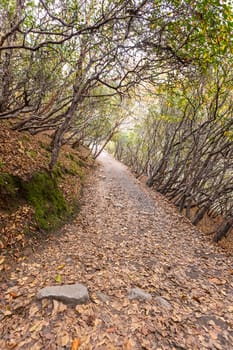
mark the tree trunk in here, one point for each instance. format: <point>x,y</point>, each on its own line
<point>108,139</point>
<point>223,229</point>
<point>200,214</point>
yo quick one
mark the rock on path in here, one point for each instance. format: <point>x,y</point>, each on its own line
<point>138,293</point>
<point>70,293</point>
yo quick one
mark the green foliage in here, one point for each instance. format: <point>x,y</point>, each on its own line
<point>31,153</point>
<point>74,167</point>
<point>70,156</point>
<point>197,32</point>
<point>43,193</point>
<point>58,171</point>
<point>81,163</point>
<point>184,143</point>
<point>75,170</point>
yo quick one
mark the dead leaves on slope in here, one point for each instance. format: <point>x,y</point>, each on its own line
<point>20,153</point>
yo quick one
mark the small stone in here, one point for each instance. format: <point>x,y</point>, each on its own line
<point>103,297</point>
<point>118,205</point>
<point>138,293</point>
<point>70,293</point>
<point>163,302</point>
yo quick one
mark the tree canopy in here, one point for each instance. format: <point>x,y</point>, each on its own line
<point>74,67</point>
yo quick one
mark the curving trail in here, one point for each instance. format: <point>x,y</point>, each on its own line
<point>125,236</point>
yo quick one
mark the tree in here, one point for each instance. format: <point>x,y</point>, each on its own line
<point>184,145</point>
<point>84,45</point>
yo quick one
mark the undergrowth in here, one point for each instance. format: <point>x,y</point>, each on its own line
<point>43,193</point>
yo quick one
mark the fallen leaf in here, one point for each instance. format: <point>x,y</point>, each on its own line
<point>12,346</point>
<point>58,278</point>
<point>183,296</point>
<point>2,260</point>
<point>75,344</point>
<point>7,313</point>
<point>37,326</point>
<point>58,307</point>
<point>64,339</point>
<point>144,331</point>
<point>111,330</point>
<point>196,298</point>
<point>127,345</point>
<point>216,281</point>
<point>33,310</point>
<point>213,335</point>
<point>60,267</point>
<point>230,308</point>
<point>19,237</point>
<point>13,295</point>
<point>36,346</point>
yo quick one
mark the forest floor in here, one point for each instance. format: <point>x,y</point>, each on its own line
<point>125,236</point>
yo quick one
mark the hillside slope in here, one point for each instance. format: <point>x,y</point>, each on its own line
<point>33,201</point>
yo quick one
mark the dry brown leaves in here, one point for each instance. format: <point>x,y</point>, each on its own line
<point>20,153</point>
<point>13,227</point>
<point>122,239</point>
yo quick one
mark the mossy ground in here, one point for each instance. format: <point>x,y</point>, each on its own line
<point>47,200</point>
<point>33,200</point>
<point>42,193</point>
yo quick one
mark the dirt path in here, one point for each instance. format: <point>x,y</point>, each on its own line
<point>124,237</point>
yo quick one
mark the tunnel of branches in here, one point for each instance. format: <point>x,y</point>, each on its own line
<point>150,80</point>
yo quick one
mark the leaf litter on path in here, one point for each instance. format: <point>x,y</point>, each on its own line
<point>112,249</point>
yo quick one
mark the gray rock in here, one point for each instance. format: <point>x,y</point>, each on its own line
<point>138,293</point>
<point>103,297</point>
<point>163,302</point>
<point>70,293</point>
